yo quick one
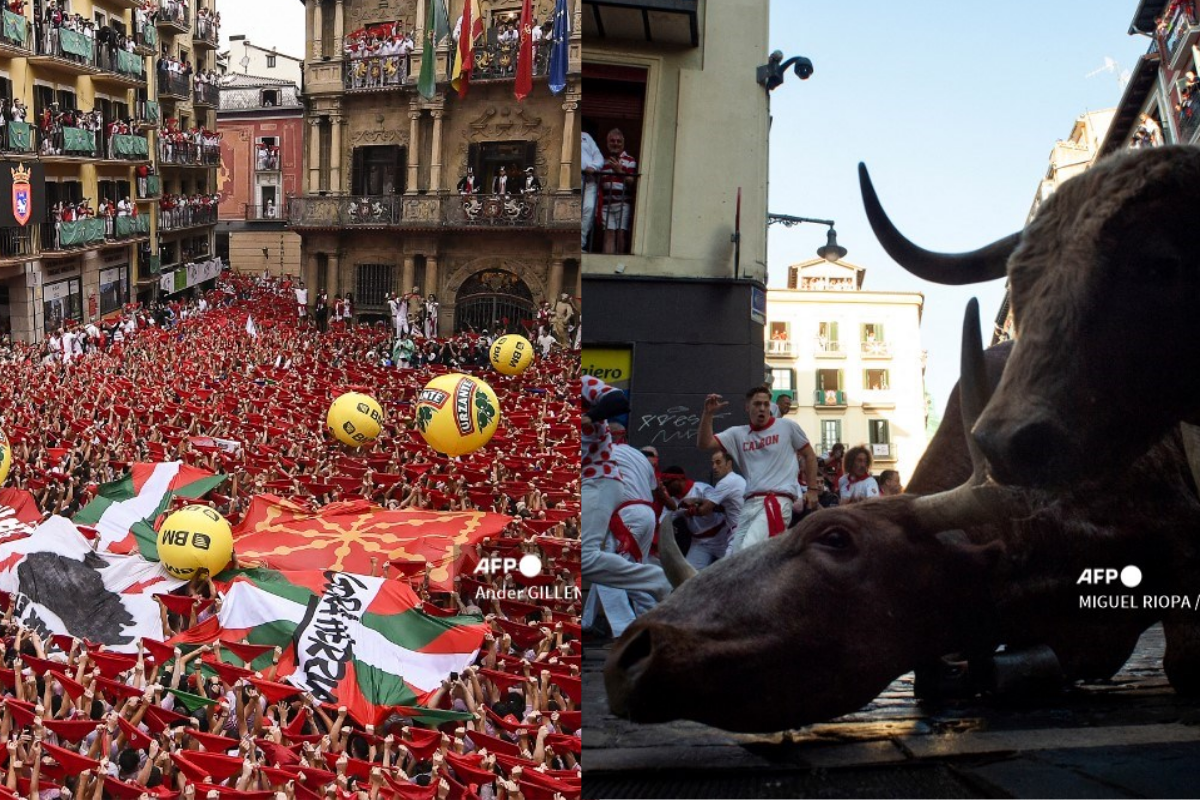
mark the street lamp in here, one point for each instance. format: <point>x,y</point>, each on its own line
<point>831,252</point>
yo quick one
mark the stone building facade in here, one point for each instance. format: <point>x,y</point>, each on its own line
<point>381,211</point>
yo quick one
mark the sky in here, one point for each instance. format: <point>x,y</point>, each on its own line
<point>954,107</point>
<point>269,23</point>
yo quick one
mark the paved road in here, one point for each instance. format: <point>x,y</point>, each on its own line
<point>1129,737</point>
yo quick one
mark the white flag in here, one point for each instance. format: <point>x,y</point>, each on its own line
<point>251,328</point>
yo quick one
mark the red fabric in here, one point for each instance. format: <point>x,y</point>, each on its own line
<point>245,651</point>
<point>71,730</point>
<point>422,743</point>
<point>73,689</point>
<point>775,521</point>
<point>122,789</point>
<point>133,736</point>
<point>216,765</point>
<point>273,690</point>
<point>626,543</point>
<point>212,742</point>
<point>70,760</point>
<point>158,718</point>
<point>116,689</point>
<point>468,769</point>
<point>158,652</point>
<point>112,664</point>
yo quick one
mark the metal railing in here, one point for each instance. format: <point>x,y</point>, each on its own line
<point>16,32</point>
<point>1175,30</point>
<point>149,187</point>
<point>876,349</point>
<point>207,31</point>
<point>128,147</point>
<point>375,72</point>
<point>16,242</point>
<point>479,210</point>
<point>823,346</point>
<point>499,61</point>
<point>188,154</point>
<point>206,94</point>
<point>266,213</point>
<point>1187,119</point>
<point>613,225</point>
<point>373,211</point>
<point>145,40</point>
<point>173,84</point>
<point>71,143</point>
<point>67,46</point>
<point>493,210</point>
<point>126,64</point>
<point>19,137</point>
<point>174,16</point>
<point>779,347</point>
<point>180,217</point>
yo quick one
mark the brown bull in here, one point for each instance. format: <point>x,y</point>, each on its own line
<point>1103,282</point>
<point>815,623</point>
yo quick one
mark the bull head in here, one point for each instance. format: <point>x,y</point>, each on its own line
<point>815,623</point>
<point>1102,284</point>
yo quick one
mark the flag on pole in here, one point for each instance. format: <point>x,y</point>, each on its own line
<point>560,48</point>
<point>469,31</point>
<point>524,83</point>
<point>124,512</point>
<point>437,25</point>
<point>251,328</point>
<point>351,640</point>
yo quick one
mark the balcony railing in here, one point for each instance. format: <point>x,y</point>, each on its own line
<point>68,48</point>
<point>76,235</point>
<point>321,212</point>
<point>188,154</point>
<point>266,213</point>
<point>149,114</point>
<point>16,33</point>
<point>779,347</point>
<point>470,211</point>
<point>128,147</point>
<point>16,242</point>
<point>145,41</point>
<point>374,72</point>
<point>207,32</point>
<point>180,217</point>
<point>823,348</point>
<point>72,143</point>
<point>173,85</point>
<point>149,187</point>
<point>494,210</point>
<point>499,61</point>
<point>206,94</point>
<point>130,67</point>
<point>829,398</point>
<point>1175,31</point>
<point>883,451</point>
<point>876,350</point>
<point>19,137</point>
<point>1188,119</point>
<point>615,200</point>
<point>121,228</point>
<point>173,16</point>
<point>267,161</point>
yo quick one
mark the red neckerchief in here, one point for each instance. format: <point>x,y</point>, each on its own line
<point>851,480</point>
<point>770,422</point>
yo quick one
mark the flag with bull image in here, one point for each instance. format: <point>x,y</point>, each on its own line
<point>351,640</point>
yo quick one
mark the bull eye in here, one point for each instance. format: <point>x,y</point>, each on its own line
<point>834,539</point>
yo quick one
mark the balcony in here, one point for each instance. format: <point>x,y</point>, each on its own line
<point>829,398</point>
<point>67,238</point>
<point>495,210</point>
<point>780,348</point>
<point>826,349</point>
<point>207,35</point>
<point>878,398</point>
<point>16,35</point>
<point>1188,119</point>
<point>173,18</point>
<point>267,159</point>
<point>16,244</point>
<point>187,154</point>
<point>128,147</point>
<point>876,350</point>
<point>206,95</point>
<point>19,138</point>
<point>374,73</point>
<point>149,187</point>
<point>149,114</point>
<point>1175,33</point>
<point>339,212</point>
<point>883,451</point>
<point>145,41</point>
<point>121,67</point>
<point>173,86</point>
<point>266,213</point>
<point>126,228</point>
<point>432,212</point>
<point>184,217</point>
<point>67,51</point>
<point>71,144</point>
<point>499,62</point>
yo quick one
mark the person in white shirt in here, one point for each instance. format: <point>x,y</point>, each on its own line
<point>765,452</point>
<point>546,341</point>
<point>302,301</point>
<point>591,161</point>
<point>857,484</point>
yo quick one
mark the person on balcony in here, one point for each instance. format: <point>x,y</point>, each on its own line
<point>532,185</point>
<point>468,183</point>
<point>616,189</point>
<point>502,185</point>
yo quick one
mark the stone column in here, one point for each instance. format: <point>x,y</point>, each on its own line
<point>339,28</point>
<point>331,275</point>
<point>408,277</point>
<point>314,154</point>
<point>431,276</point>
<point>435,166</point>
<point>318,24</point>
<point>414,150</point>
<point>554,285</point>
<point>335,153</point>
<point>567,174</point>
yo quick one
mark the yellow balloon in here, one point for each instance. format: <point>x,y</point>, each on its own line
<point>355,419</point>
<point>511,354</point>
<point>195,537</point>
<point>457,414</point>
<point>5,457</point>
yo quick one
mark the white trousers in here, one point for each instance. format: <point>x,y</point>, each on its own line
<point>601,496</point>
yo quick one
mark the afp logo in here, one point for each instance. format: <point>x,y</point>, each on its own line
<point>528,565</point>
<point>1130,576</point>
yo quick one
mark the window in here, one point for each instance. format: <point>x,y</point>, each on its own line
<point>830,388</point>
<point>783,381</point>
<point>378,170</point>
<point>487,158</point>
<point>875,380</point>
<point>114,288</point>
<point>614,98</point>
<point>43,97</point>
<point>831,434</point>
<point>827,337</point>
<point>61,301</point>
<point>780,342</point>
<point>872,332</point>
<point>879,431</point>
<point>271,61</point>
<point>270,97</point>
<point>373,283</point>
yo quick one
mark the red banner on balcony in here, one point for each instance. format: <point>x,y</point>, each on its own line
<point>524,82</point>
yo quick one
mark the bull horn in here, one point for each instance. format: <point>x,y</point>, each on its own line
<point>977,501</point>
<point>673,563</point>
<point>955,269</point>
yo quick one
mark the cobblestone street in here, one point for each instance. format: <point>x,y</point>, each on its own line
<point>1129,737</point>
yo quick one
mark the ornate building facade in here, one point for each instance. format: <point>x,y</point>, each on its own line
<point>382,209</point>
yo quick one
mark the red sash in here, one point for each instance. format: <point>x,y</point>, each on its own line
<point>626,543</point>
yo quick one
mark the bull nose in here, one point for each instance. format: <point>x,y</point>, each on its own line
<point>626,664</point>
<point>1025,452</point>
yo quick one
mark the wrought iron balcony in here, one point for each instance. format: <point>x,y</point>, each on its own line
<point>495,210</point>
<point>145,41</point>
<point>266,213</point>
<point>499,61</point>
<point>19,137</point>
<point>120,66</point>
<point>16,35</point>
<point>149,187</point>
<point>183,217</point>
<point>375,73</point>
<point>829,398</point>
<point>207,34</point>
<point>780,347</point>
<point>16,244</point>
<point>67,50</point>
<point>379,211</point>
<point>128,147</point>
<point>431,211</point>
<point>173,18</point>
<point>149,114</point>
<point>206,95</point>
<point>188,154</point>
<point>173,85</point>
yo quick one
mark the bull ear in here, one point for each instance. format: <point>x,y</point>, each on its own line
<point>955,269</point>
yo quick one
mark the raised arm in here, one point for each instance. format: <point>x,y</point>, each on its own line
<point>705,439</point>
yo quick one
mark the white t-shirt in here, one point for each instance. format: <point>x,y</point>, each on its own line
<point>302,297</point>
<point>859,490</point>
<point>700,491</point>
<point>766,457</point>
<point>728,494</point>
<point>637,473</point>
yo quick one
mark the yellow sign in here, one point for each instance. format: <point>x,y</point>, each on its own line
<point>612,365</point>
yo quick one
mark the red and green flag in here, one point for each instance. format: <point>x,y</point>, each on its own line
<point>351,640</point>
<point>123,513</point>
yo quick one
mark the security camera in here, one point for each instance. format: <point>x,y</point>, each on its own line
<point>804,68</point>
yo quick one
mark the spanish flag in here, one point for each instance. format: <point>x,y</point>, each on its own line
<point>464,58</point>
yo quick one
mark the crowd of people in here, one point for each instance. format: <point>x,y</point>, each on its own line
<point>83,722</point>
<point>208,23</point>
<point>378,56</point>
<point>197,145</point>
<point>184,211</point>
